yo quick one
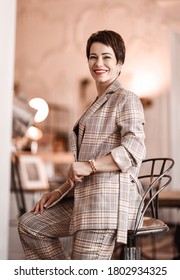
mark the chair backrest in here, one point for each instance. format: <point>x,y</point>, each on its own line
<point>154,178</point>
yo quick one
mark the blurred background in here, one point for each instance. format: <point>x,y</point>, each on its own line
<point>42,59</point>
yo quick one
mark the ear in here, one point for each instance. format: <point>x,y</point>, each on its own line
<point>119,65</point>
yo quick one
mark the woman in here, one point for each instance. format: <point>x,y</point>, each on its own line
<point>108,146</point>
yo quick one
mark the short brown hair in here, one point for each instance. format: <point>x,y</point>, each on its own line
<point>108,38</point>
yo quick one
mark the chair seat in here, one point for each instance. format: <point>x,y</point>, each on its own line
<point>151,225</point>
<point>154,178</point>
<point>151,222</point>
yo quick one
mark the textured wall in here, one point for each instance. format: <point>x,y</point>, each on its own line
<point>50,52</point>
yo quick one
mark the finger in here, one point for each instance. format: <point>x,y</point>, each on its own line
<point>42,208</point>
<point>71,182</point>
<point>42,204</point>
<point>78,178</point>
<point>37,207</point>
<point>72,174</point>
<point>75,177</point>
<point>49,201</point>
<point>54,197</point>
<point>36,210</point>
<point>33,209</point>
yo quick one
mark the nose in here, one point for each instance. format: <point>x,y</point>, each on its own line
<point>99,62</point>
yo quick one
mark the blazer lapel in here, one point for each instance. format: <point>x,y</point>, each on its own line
<point>95,106</point>
<point>74,145</point>
<point>78,133</point>
<point>100,101</point>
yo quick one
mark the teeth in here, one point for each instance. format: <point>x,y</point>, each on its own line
<point>100,71</point>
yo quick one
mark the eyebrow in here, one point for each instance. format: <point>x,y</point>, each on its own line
<point>102,54</point>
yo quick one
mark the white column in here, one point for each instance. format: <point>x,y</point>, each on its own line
<point>7,47</point>
<point>175,108</point>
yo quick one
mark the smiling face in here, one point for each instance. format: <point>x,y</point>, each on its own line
<point>103,64</point>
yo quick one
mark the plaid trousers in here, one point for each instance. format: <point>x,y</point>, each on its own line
<point>40,236</point>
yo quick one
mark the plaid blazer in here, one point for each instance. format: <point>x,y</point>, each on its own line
<point>109,200</point>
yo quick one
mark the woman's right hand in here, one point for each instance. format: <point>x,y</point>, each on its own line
<point>77,171</point>
<point>46,200</point>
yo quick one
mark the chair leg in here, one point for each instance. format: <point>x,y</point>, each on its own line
<point>132,253</point>
<point>131,250</point>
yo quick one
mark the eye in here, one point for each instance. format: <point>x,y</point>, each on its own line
<point>92,57</point>
<point>107,57</point>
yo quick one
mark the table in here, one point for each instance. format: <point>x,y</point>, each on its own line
<point>16,180</point>
<point>169,199</point>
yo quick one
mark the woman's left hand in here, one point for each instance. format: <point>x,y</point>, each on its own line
<point>77,171</point>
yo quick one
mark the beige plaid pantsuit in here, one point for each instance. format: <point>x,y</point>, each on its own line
<point>105,203</point>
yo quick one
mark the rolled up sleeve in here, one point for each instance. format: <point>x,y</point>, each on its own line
<point>130,121</point>
<point>121,158</point>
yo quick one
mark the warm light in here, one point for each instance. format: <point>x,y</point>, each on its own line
<point>145,84</point>
<point>42,109</point>
<point>34,133</point>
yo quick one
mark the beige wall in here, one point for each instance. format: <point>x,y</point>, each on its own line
<point>51,63</point>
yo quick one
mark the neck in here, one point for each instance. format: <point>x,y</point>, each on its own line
<point>101,87</point>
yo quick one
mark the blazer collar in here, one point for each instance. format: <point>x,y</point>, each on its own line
<point>103,98</point>
<point>91,110</point>
<point>113,87</point>
<point>100,101</point>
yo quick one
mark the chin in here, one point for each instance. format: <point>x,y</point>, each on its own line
<point>101,80</point>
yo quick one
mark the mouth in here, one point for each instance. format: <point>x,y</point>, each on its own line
<point>99,71</point>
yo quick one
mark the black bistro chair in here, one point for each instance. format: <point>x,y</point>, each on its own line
<point>154,178</point>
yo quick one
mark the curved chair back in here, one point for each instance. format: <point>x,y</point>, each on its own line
<point>154,178</point>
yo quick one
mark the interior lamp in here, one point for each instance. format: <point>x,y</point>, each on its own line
<point>34,133</point>
<point>42,109</point>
